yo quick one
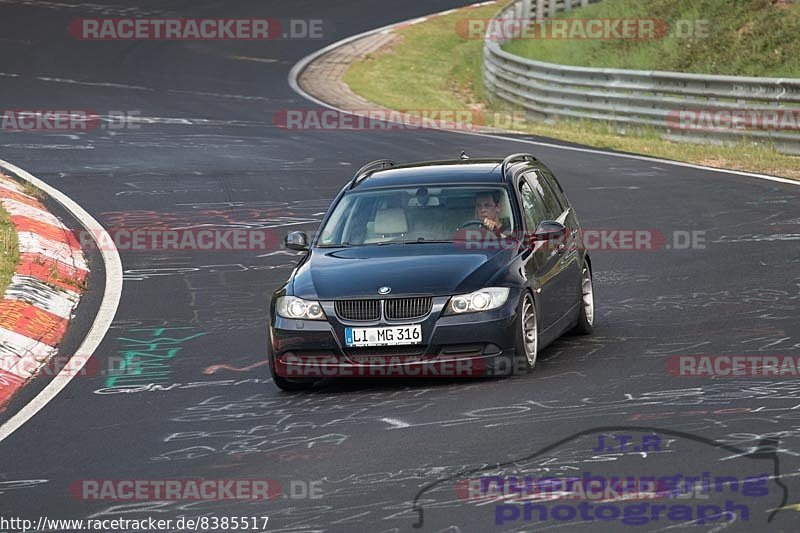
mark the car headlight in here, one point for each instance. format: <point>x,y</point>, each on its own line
<point>481,300</point>
<point>297,308</point>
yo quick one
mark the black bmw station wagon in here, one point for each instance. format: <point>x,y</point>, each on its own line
<point>448,268</point>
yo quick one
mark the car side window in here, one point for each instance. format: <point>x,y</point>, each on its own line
<point>551,181</point>
<point>552,207</point>
<point>531,205</point>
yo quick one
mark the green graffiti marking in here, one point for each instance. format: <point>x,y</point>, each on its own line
<point>146,360</point>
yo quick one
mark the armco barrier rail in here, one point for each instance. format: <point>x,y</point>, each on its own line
<point>690,107</point>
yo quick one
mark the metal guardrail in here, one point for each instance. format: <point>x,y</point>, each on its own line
<point>687,107</point>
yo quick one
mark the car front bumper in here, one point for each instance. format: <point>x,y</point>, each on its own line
<point>466,345</point>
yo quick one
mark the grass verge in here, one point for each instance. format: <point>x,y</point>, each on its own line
<point>733,37</point>
<point>9,250</point>
<point>429,66</point>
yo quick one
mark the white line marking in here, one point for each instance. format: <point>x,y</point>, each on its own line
<point>301,65</point>
<point>632,188</point>
<point>395,423</point>
<point>105,315</point>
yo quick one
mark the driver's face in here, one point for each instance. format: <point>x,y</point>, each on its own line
<point>486,208</point>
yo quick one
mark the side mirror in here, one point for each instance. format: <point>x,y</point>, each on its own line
<point>296,240</point>
<point>550,230</point>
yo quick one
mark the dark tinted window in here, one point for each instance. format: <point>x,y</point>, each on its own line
<point>552,207</point>
<point>532,207</point>
<point>555,186</point>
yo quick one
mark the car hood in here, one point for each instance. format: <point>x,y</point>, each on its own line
<point>429,269</point>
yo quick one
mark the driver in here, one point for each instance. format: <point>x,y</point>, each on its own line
<point>487,210</point>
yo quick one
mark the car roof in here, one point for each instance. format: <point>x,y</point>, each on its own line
<point>436,173</point>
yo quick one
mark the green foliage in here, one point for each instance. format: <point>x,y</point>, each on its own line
<point>744,38</point>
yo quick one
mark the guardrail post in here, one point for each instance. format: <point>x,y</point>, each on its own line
<point>526,9</point>
<point>540,9</point>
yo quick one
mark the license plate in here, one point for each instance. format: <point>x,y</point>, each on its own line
<point>391,336</point>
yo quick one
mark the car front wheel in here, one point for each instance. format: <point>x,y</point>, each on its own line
<point>585,323</point>
<point>527,344</point>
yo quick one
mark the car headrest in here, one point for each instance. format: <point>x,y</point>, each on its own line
<point>432,202</point>
<point>505,210</point>
<point>390,221</point>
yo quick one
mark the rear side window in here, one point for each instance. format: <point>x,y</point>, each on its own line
<point>555,186</point>
<point>532,207</point>
<point>552,207</point>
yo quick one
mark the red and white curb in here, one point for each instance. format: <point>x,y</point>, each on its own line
<point>43,293</point>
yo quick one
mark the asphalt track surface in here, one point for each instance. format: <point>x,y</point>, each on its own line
<point>385,453</point>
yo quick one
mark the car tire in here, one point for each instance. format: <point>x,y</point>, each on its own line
<point>286,384</point>
<point>526,347</point>
<point>585,324</point>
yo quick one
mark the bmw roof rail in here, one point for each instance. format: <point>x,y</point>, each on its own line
<point>368,169</point>
<point>514,158</point>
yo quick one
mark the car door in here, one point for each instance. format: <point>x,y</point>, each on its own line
<point>542,261</point>
<point>571,259</point>
<point>565,280</point>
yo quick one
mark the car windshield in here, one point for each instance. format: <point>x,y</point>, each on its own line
<point>415,215</point>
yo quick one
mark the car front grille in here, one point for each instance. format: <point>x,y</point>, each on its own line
<point>358,310</point>
<point>394,309</point>
<point>407,308</point>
